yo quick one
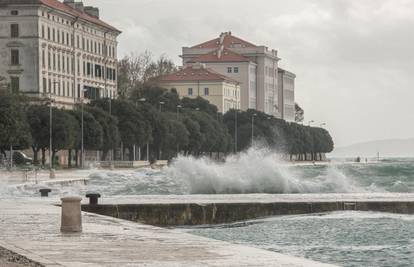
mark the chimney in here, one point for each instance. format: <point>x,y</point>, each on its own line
<point>70,3</point>
<point>220,51</point>
<point>79,6</point>
<point>198,66</point>
<point>92,11</point>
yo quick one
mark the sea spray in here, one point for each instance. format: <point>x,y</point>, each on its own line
<point>253,171</point>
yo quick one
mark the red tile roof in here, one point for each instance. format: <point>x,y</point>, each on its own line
<point>55,4</point>
<point>191,74</point>
<point>226,56</point>
<point>228,41</point>
<point>77,13</point>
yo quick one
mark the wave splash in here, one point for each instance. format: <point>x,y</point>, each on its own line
<point>254,171</point>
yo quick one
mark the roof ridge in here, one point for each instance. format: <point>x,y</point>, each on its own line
<point>77,13</point>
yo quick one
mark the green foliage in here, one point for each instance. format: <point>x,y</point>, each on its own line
<point>14,129</point>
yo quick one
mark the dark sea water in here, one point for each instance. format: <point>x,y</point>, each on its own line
<point>344,238</point>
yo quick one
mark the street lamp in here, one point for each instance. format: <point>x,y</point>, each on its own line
<point>322,124</point>
<point>161,104</point>
<point>178,111</point>
<point>51,173</point>
<point>254,115</point>
<point>82,128</point>
<point>310,122</point>
<point>235,130</point>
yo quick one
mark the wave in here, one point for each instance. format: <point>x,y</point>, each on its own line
<point>254,171</point>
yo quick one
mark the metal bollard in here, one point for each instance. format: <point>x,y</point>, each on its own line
<point>93,198</point>
<point>71,215</point>
<point>44,192</point>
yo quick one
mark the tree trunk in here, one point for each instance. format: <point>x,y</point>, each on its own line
<point>70,158</point>
<point>43,156</point>
<point>35,155</point>
<point>77,158</point>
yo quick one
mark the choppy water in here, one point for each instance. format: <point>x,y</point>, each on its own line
<point>256,171</point>
<point>343,238</point>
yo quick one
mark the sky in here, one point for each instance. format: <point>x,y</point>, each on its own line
<point>353,59</point>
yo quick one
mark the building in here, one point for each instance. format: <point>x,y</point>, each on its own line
<point>286,85</point>
<point>255,67</point>
<point>197,81</point>
<point>59,49</point>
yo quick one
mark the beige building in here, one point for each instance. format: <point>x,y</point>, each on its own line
<point>197,81</point>
<point>287,94</point>
<point>255,67</point>
<point>62,49</point>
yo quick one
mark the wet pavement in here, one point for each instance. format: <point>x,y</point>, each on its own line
<point>30,227</point>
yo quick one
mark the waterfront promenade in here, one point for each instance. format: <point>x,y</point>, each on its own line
<point>30,228</point>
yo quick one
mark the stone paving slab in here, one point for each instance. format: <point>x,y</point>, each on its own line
<point>30,227</point>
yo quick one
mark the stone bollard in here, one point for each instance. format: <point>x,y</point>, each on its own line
<point>93,198</point>
<point>44,192</point>
<point>71,215</point>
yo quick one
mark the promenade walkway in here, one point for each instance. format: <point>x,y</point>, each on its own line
<point>30,228</point>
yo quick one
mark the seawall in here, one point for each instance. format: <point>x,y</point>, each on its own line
<point>211,210</point>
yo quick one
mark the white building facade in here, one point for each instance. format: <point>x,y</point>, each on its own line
<point>62,50</point>
<point>255,67</point>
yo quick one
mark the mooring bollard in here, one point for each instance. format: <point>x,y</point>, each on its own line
<point>71,215</point>
<point>44,192</point>
<point>93,198</point>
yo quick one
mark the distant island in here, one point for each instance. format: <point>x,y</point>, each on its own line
<point>386,148</point>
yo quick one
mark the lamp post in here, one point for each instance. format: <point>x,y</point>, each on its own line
<point>178,111</point>
<point>235,130</point>
<point>142,100</point>
<point>161,104</point>
<point>254,115</point>
<point>310,122</point>
<point>51,173</point>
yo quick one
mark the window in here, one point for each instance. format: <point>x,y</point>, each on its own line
<point>14,12</point>
<point>53,35</point>
<point>48,33</point>
<point>43,59</point>
<point>43,31</point>
<point>236,69</point>
<point>206,91</point>
<point>48,60</point>
<point>15,84</point>
<point>44,85</point>
<point>190,91</point>
<point>14,30</point>
<point>50,86</point>
<point>229,70</point>
<point>15,57</point>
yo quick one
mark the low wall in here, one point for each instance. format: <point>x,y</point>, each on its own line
<point>218,213</point>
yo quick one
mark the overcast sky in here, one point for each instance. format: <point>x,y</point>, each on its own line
<point>354,59</point>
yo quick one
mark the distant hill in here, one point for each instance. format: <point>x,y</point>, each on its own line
<point>386,148</point>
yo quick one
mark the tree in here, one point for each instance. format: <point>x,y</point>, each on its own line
<point>38,119</point>
<point>109,126</point>
<point>135,71</point>
<point>14,129</point>
<point>65,130</point>
<point>299,113</point>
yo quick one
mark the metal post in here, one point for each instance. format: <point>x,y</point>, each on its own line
<point>254,115</point>
<point>235,131</point>
<point>50,134</point>
<point>148,152</point>
<point>11,156</point>
<point>82,136</point>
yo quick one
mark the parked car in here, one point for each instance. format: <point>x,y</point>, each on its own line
<point>20,158</point>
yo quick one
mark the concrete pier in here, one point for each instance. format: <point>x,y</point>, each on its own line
<point>218,209</point>
<point>30,230</point>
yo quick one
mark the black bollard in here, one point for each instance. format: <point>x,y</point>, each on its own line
<point>93,198</point>
<point>44,192</point>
